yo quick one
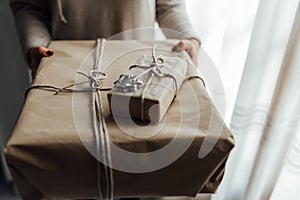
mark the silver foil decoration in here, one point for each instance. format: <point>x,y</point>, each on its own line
<point>128,83</point>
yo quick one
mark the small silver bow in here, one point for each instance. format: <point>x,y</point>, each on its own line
<point>128,83</point>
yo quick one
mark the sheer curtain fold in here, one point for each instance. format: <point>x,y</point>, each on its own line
<point>282,122</point>
<point>260,68</point>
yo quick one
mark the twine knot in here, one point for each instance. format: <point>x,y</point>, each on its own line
<point>95,77</point>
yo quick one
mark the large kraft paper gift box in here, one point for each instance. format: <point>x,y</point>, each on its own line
<point>51,151</point>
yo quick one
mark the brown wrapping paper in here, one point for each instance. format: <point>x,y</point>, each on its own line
<point>49,154</point>
<point>156,93</point>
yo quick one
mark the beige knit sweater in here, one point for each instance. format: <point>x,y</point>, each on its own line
<point>39,21</point>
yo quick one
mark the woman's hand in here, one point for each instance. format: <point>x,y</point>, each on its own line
<point>35,55</point>
<point>191,46</point>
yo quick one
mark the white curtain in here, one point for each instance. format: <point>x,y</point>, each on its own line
<point>255,46</point>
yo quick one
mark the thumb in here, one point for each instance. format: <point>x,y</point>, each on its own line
<point>44,52</point>
<point>182,45</point>
<point>40,51</point>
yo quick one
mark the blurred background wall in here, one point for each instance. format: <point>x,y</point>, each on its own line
<point>13,79</point>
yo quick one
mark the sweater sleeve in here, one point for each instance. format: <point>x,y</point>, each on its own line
<point>171,14</point>
<point>32,19</point>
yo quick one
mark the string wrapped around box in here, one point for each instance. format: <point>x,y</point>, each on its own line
<point>99,126</point>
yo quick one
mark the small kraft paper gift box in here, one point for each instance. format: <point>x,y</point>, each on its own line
<point>69,144</point>
<point>150,84</point>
